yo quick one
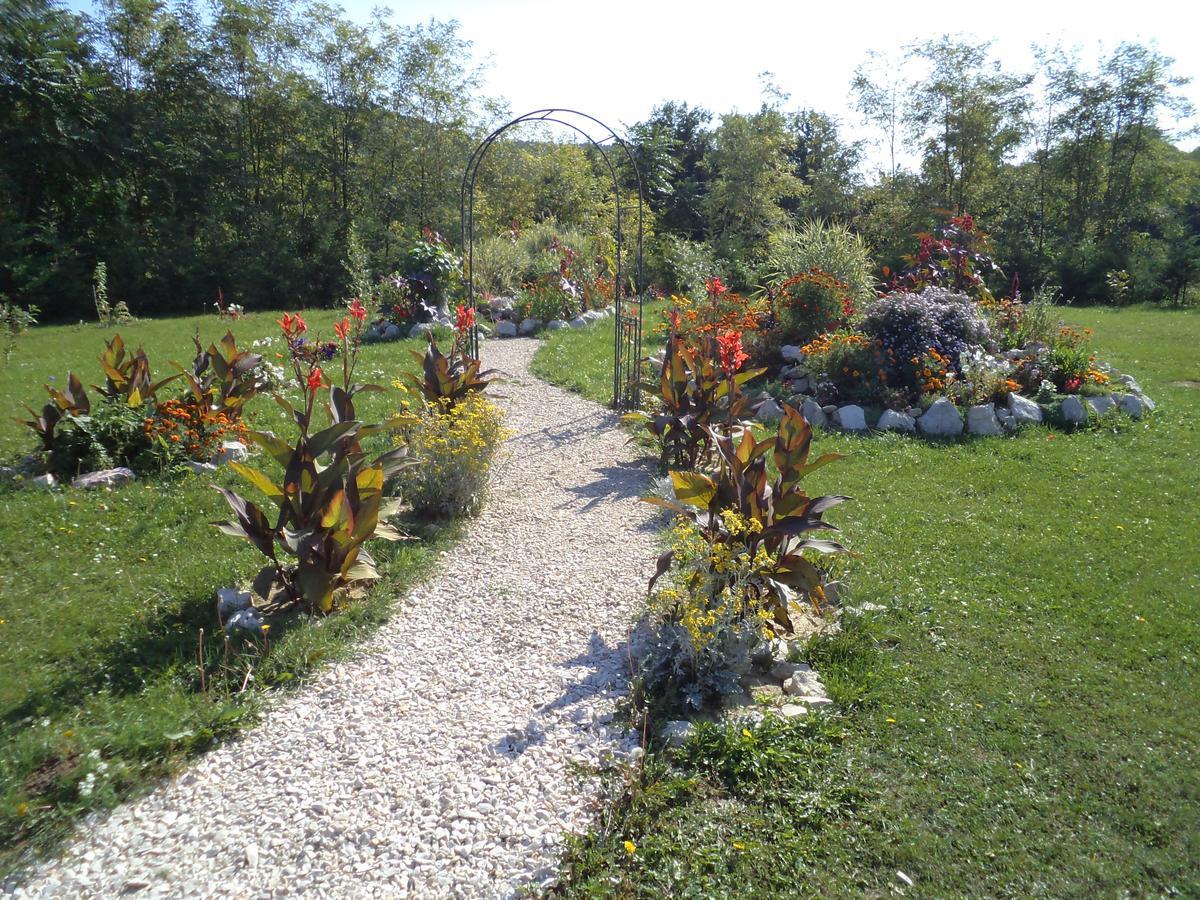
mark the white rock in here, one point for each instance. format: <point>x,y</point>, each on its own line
<point>231,451</point>
<point>1023,410</point>
<point>420,329</point>
<point>105,478</point>
<point>982,420</point>
<point>556,325</point>
<point>592,315</point>
<point>1130,382</point>
<point>391,332</point>
<point>506,329</point>
<point>529,326</point>
<point>791,353</point>
<point>812,412</point>
<point>675,733</point>
<point>1131,404</point>
<point>791,710</point>
<point>1101,405</point>
<point>804,683</point>
<point>1073,410</point>
<point>850,418</point>
<point>578,322</point>
<point>200,468</point>
<point>769,411</point>
<point>941,419</point>
<point>891,420</point>
<point>45,482</point>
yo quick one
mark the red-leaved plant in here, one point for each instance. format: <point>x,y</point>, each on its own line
<point>329,500</point>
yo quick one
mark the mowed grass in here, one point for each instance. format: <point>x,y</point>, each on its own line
<point>103,595</point>
<point>1020,720</point>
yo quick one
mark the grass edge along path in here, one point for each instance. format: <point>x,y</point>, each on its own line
<point>1010,722</point>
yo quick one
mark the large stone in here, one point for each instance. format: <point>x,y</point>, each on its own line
<point>420,329</point>
<point>769,411</point>
<point>1023,410</point>
<point>791,710</point>
<point>1130,382</point>
<point>231,451</point>
<point>1073,411</point>
<point>791,353</point>
<point>982,420</point>
<point>579,322</point>
<point>1131,404</point>
<point>391,332</point>
<point>44,482</point>
<point>850,418</point>
<point>592,315</point>
<point>804,683</point>
<point>499,303</point>
<point>1101,404</point>
<point>506,329</point>
<point>105,478</point>
<point>556,325</point>
<point>529,326</point>
<point>677,732</point>
<point>941,419</point>
<point>231,600</point>
<point>891,420</point>
<point>815,416</point>
<point>248,620</point>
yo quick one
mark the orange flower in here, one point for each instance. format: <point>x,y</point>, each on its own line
<point>342,328</point>
<point>358,310</point>
<point>315,378</point>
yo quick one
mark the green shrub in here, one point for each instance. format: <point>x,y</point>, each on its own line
<point>828,246</point>
<point>682,266</point>
<point>14,321</point>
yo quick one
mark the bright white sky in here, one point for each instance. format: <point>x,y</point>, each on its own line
<point>582,55</point>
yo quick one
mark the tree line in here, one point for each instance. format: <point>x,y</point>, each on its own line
<point>271,152</point>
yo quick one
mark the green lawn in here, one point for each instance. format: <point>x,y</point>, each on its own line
<point>1019,721</point>
<point>103,595</point>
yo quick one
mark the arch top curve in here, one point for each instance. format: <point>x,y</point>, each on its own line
<point>627,332</point>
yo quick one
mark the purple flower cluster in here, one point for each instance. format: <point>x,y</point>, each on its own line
<point>909,324</point>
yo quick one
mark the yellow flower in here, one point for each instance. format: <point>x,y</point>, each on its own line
<point>22,809</point>
<point>630,847</point>
<point>746,733</point>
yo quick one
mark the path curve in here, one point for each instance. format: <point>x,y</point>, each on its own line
<point>439,760</point>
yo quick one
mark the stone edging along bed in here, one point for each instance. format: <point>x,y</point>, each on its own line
<point>942,418</point>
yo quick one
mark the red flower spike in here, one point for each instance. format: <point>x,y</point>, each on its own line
<point>342,329</point>
<point>315,378</point>
<point>715,286</point>
<point>465,319</point>
<point>733,357</point>
<point>358,310</point>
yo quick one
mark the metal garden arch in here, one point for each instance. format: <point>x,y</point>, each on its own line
<point>627,328</point>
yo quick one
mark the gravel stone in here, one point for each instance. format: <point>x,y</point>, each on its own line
<point>445,753</point>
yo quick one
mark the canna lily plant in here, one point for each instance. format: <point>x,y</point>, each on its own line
<point>448,379</point>
<point>329,498</point>
<point>222,377</point>
<point>71,402</point>
<point>127,375</point>
<point>699,391</point>
<point>772,519</point>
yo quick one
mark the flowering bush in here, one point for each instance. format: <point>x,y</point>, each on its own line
<point>722,310</point>
<point>431,268</point>
<point>808,304</point>
<point>983,378</point>
<point>452,447</point>
<point>906,327</point>
<point>957,257</point>
<point>851,363</point>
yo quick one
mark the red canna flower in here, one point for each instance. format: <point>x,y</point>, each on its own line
<point>342,329</point>
<point>315,377</point>
<point>729,345</point>
<point>358,310</point>
<point>465,319</point>
<point>292,325</point>
<point>715,287</point>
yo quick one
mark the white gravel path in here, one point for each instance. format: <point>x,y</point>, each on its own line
<point>440,760</point>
